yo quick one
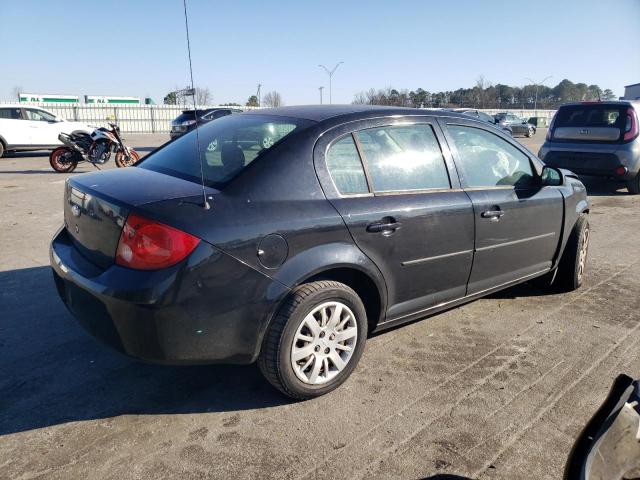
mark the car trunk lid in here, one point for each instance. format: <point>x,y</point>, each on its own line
<point>96,206</point>
<point>589,122</point>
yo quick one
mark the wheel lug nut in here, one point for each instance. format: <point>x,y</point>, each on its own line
<point>317,348</point>
<point>321,334</point>
<point>332,336</point>
<point>326,350</point>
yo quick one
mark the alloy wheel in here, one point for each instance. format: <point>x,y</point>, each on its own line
<point>324,343</point>
<point>582,256</point>
<point>267,142</point>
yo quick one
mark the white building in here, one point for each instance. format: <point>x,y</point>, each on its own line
<point>631,92</point>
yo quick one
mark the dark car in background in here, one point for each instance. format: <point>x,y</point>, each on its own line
<point>519,126</point>
<point>484,117</point>
<point>354,219</point>
<point>186,121</point>
<point>597,139</point>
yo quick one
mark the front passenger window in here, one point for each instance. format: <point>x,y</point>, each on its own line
<point>486,160</point>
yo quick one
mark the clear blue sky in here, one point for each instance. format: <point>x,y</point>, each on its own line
<point>138,47</point>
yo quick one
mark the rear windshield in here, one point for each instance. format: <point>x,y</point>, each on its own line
<point>227,146</point>
<point>591,116</point>
<point>188,115</point>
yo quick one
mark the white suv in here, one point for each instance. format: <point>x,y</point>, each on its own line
<point>33,128</point>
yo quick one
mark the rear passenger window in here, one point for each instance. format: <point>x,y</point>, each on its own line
<point>345,167</point>
<point>10,113</point>
<point>487,160</point>
<point>403,158</point>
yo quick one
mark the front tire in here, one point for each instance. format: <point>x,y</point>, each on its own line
<point>315,340</point>
<point>122,161</point>
<point>1,149</point>
<point>530,133</point>
<point>574,259</point>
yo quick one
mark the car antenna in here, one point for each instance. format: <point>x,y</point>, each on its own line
<point>205,203</point>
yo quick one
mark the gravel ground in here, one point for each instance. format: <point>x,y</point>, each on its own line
<point>498,388</point>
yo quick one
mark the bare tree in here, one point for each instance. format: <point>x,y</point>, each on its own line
<point>203,96</point>
<point>272,99</point>
<point>16,92</point>
<point>482,84</point>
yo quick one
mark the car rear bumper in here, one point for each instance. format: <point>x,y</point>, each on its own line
<point>209,308</point>
<point>594,160</point>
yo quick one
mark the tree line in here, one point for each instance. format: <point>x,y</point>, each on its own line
<point>203,97</point>
<point>487,95</point>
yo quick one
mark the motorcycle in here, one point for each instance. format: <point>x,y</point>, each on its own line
<point>95,148</point>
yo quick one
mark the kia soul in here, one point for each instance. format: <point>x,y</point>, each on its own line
<point>352,219</point>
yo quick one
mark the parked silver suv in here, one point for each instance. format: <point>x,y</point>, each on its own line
<point>596,138</point>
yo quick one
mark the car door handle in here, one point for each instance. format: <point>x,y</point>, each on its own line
<point>492,214</point>
<point>383,226</point>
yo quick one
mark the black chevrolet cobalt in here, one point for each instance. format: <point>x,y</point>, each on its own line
<point>352,219</point>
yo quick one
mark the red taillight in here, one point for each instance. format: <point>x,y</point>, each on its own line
<point>621,170</point>
<point>631,127</point>
<point>549,134</point>
<point>148,245</point>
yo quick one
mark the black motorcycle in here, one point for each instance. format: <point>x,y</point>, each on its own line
<point>95,148</point>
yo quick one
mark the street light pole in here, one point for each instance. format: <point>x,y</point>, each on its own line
<point>330,73</point>
<point>320,88</point>
<point>537,84</point>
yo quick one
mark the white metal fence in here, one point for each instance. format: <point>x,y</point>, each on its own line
<point>157,118</point>
<point>130,118</point>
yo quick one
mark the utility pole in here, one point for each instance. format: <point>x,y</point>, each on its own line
<point>537,84</point>
<point>330,73</point>
<point>320,88</point>
<point>258,93</point>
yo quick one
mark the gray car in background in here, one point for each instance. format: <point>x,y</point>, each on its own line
<point>598,139</point>
<point>519,126</point>
<point>484,117</point>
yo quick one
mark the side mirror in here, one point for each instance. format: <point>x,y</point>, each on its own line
<point>551,176</point>
<point>608,446</point>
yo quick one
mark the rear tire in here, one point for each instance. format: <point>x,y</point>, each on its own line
<point>1,149</point>
<point>122,161</point>
<point>574,259</point>
<point>633,185</point>
<point>315,340</point>
<point>61,162</point>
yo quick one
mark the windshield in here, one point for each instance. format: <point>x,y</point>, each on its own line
<point>227,146</point>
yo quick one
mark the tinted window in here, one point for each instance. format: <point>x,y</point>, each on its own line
<point>345,167</point>
<point>227,146</point>
<point>487,160</point>
<point>590,116</point>
<point>401,158</point>
<point>11,113</point>
<point>39,115</point>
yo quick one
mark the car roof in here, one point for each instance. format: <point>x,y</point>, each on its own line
<point>605,102</point>
<point>22,105</point>
<point>319,113</point>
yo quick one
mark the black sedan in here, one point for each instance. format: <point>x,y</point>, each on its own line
<point>354,219</point>
<point>484,117</point>
<point>186,121</point>
<point>519,126</point>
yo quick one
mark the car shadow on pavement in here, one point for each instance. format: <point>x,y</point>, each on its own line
<point>52,372</point>
<point>446,476</point>
<point>599,187</point>
<point>38,153</point>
